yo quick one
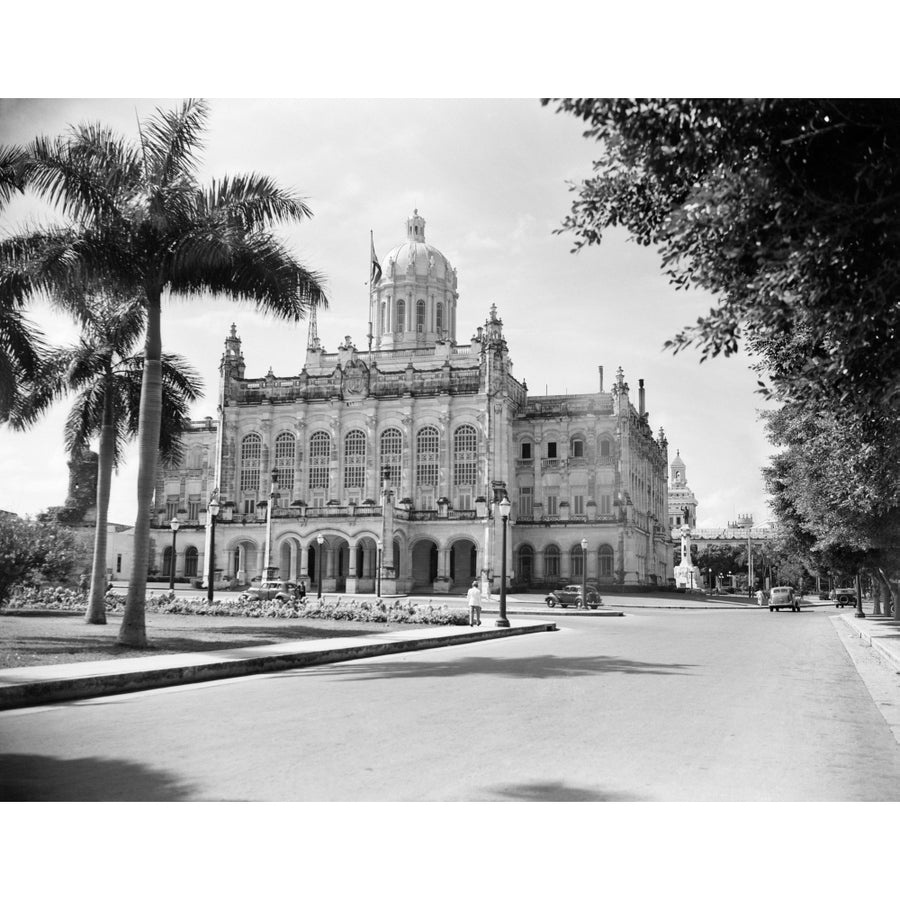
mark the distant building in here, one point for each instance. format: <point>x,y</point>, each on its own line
<point>390,460</point>
<point>681,499</point>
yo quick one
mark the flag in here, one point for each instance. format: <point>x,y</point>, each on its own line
<point>375,276</point>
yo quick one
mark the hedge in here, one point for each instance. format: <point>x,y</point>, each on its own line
<point>339,608</point>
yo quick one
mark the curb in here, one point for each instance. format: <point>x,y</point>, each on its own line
<point>192,668</point>
<point>884,646</point>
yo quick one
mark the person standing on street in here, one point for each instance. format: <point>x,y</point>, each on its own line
<point>474,598</point>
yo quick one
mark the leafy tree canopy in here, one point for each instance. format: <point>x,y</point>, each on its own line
<point>787,211</point>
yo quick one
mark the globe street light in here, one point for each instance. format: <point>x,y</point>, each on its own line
<point>503,622</point>
<point>584,572</point>
<point>213,509</point>
<point>174,525</point>
<point>320,541</point>
<point>378,570</point>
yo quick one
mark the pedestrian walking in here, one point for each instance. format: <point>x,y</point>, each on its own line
<point>474,598</point>
<point>760,596</point>
<point>83,586</point>
<point>301,590</point>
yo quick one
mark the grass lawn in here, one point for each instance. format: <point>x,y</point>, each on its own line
<point>38,638</point>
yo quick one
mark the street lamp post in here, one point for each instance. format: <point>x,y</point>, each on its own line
<point>273,484</point>
<point>378,571</point>
<point>503,622</point>
<point>174,525</point>
<point>213,509</point>
<point>320,541</point>
<point>584,572</point>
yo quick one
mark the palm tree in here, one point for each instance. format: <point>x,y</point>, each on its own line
<point>106,379</point>
<point>142,220</point>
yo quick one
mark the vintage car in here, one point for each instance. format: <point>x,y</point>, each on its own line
<point>271,590</point>
<point>783,598</point>
<point>844,596</point>
<point>571,595</point>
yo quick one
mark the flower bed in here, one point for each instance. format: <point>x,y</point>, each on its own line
<point>336,608</point>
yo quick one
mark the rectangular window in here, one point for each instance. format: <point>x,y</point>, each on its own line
<point>578,504</point>
<point>193,509</point>
<point>249,506</point>
<point>578,449</point>
<point>171,509</point>
<point>526,497</point>
<point>526,450</point>
<point>605,505</point>
<point>118,564</point>
<point>552,505</point>
<point>551,450</point>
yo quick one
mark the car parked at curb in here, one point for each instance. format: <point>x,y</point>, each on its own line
<point>783,598</point>
<point>571,595</point>
<point>271,590</point>
<point>844,596</point>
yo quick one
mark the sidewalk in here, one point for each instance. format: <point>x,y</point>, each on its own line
<point>39,685</point>
<point>881,633</point>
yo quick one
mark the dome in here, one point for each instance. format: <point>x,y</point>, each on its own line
<point>414,255</point>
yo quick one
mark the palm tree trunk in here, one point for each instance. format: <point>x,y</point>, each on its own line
<point>133,631</point>
<point>96,611</point>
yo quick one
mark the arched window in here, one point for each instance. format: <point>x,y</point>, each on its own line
<point>605,448</point>
<point>525,564</point>
<point>401,316</point>
<point>420,316</point>
<point>465,455</point>
<point>167,562</point>
<point>391,455</point>
<point>355,459</point>
<point>605,558</point>
<point>439,319</point>
<point>385,321</point>
<point>427,452</point>
<point>251,456</point>
<point>285,445</point>
<point>577,562</point>
<point>576,448</point>
<point>190,562</point>
<point>319,460</point>
<point>551,562</point>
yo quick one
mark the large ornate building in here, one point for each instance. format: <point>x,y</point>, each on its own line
<point>389,460</point>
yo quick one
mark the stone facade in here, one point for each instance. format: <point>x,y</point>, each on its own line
<point>398,453</point>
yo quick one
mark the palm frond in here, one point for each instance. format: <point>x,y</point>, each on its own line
<point>170,141</point>
<point>13,166</point>
<point>83,181</point>
<point>255,267</point>
<point>251,201</point>
<point>21,349</point>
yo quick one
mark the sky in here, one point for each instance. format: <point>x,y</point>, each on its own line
<point>491,179</point>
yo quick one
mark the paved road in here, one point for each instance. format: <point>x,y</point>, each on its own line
<point>655,705</point>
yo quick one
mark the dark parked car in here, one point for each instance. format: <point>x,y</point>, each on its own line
<point>842,596</point>
<point>570,595</point>
<point>271,590</point>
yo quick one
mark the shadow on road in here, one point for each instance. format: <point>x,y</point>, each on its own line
<point>547,666</point>
<point>35,778</point>
<point>559,792</point>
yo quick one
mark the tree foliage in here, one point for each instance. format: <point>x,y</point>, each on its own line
<point>34,551</point>
<point>787,211</point>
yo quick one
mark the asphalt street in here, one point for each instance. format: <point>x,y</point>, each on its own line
<point>656,705</point>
